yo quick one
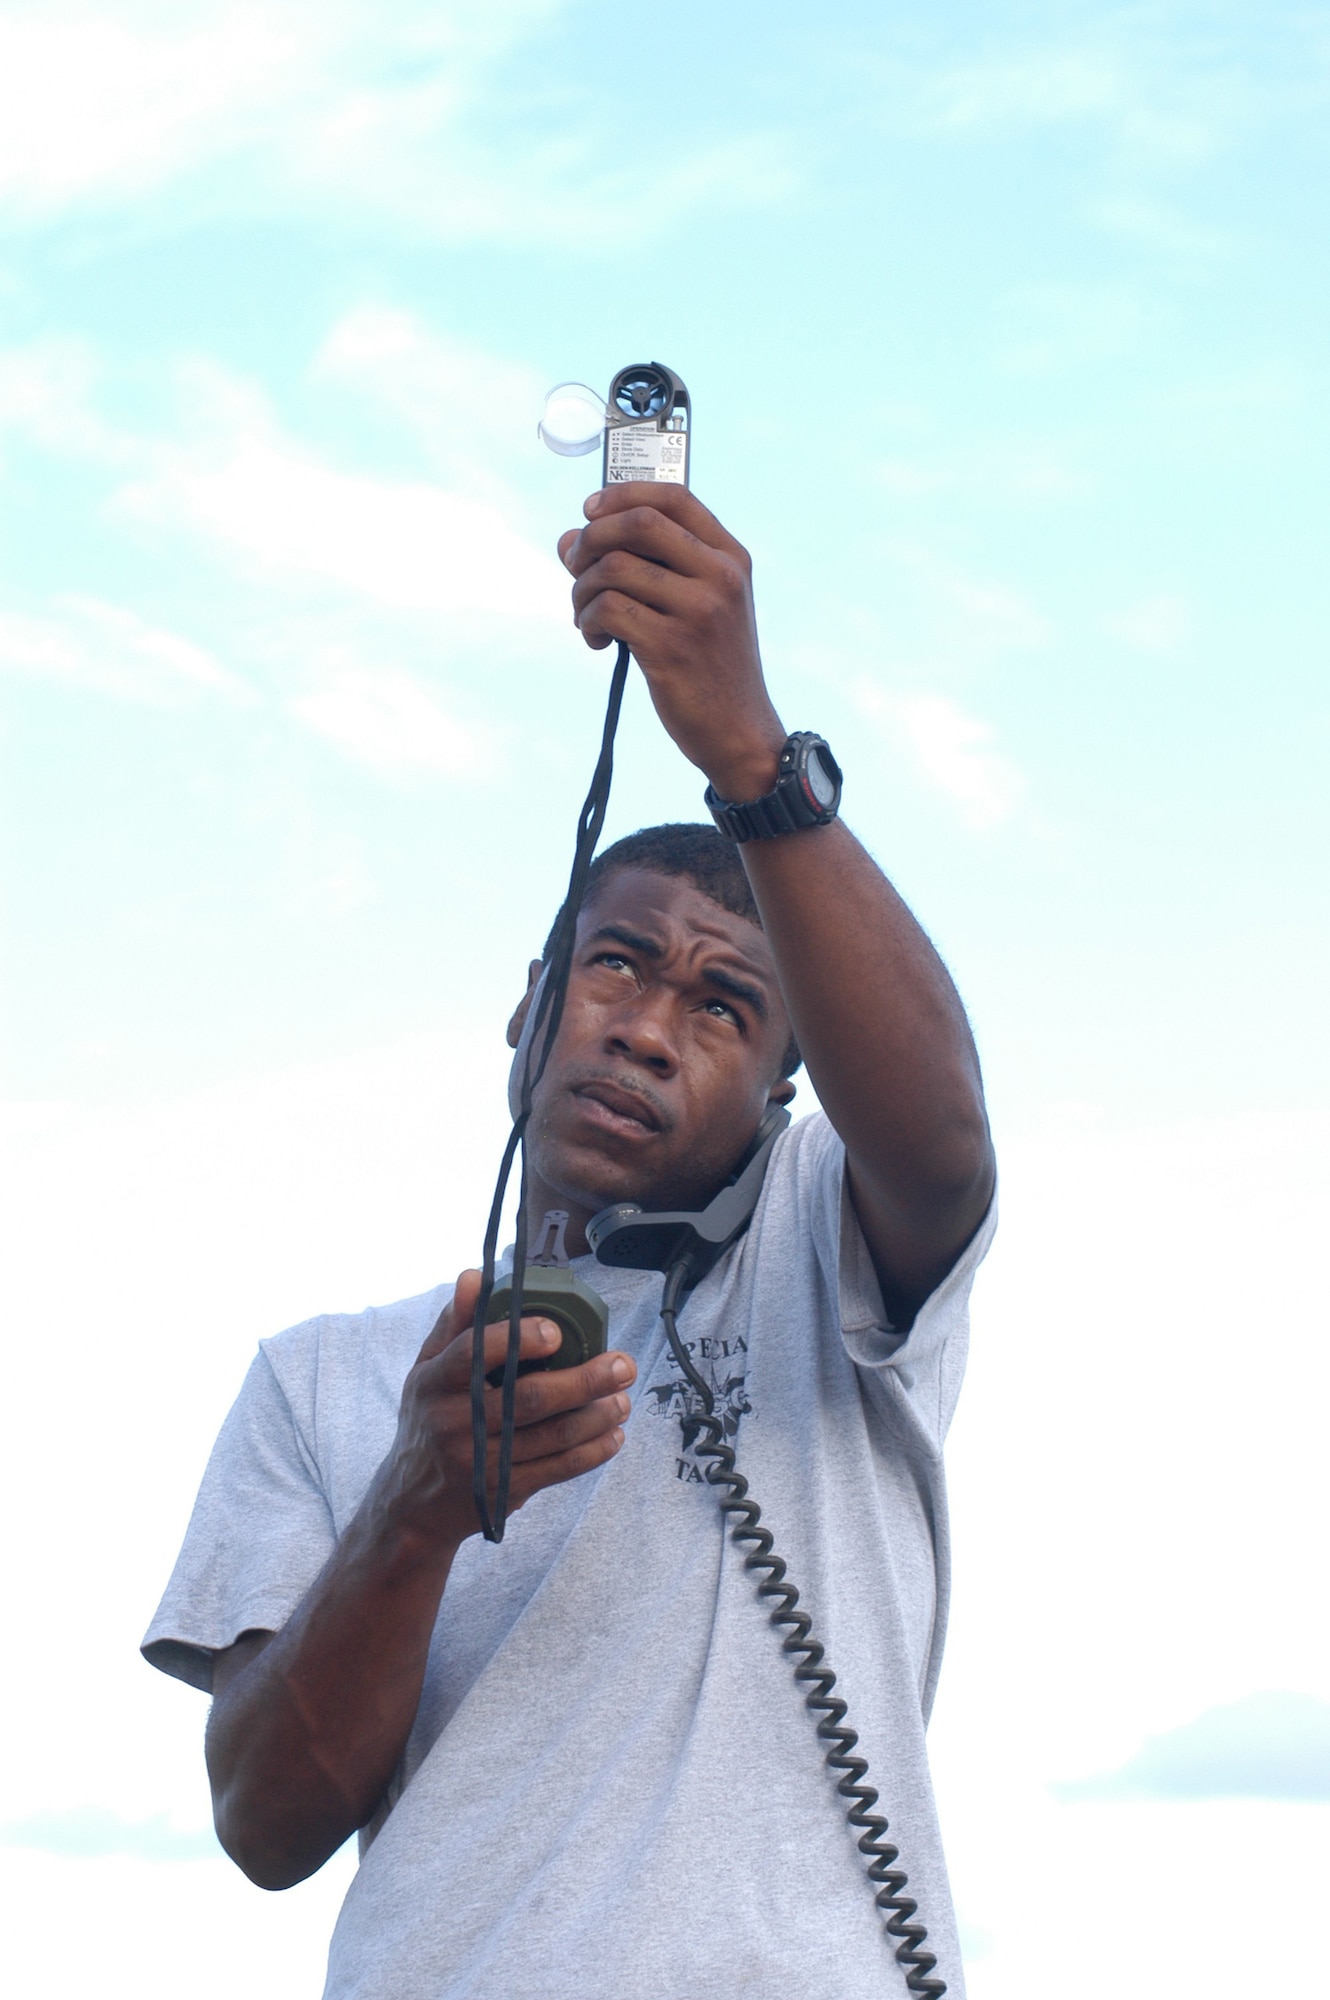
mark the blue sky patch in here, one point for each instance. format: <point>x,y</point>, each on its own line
<point>1265,1746</point>
<point>90,1833</point>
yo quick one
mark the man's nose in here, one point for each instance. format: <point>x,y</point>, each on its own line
<point>644,1032</point>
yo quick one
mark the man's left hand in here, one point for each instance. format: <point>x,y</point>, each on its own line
<point>655,569</point>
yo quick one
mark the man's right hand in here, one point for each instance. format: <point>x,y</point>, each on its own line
<point>567,1422</point>
<point>308,1723</point>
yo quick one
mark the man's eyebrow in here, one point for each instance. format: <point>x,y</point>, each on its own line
<point>620,934</point>
<point>652,948</point>
<point>738,989</point>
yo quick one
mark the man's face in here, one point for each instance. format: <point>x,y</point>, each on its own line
<point>668,1053</point>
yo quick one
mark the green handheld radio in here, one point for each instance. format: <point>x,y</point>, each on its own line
<point>551,1289</point>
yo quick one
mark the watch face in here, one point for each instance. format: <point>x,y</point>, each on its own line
<point>820,781</point>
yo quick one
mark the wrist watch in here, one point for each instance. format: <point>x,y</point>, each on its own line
<point>806,793</point>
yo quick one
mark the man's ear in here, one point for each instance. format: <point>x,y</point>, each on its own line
<point>518,1021</point>
<point>781,1091</point>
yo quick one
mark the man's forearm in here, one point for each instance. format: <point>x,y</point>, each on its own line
<point>307,1729</point>
<point>877,1017</point>
<point>887,1045</point>
<point>307,1726</point>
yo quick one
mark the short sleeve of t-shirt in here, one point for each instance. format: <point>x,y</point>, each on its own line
<point>919,1369</point>
<point>260,1533</point>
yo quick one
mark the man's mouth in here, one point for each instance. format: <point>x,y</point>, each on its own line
<point>615,1109</point>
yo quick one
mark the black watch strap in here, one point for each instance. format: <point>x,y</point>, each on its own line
<point>806,793</point>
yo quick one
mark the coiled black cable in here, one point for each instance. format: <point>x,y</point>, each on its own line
<point>547,1012</point>
<point>811,1668</point>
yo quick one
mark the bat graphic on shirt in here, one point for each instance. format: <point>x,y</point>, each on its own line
<point>678,1398</point>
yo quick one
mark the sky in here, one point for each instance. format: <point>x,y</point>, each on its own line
<point>1004,327</point>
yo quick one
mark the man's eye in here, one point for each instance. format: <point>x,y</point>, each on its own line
<point>723,1011</point>
<point>614,959</point>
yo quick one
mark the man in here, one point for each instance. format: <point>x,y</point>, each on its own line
<point>578,1760</point>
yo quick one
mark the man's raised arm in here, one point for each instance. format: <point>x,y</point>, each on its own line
<point>877,1018</point>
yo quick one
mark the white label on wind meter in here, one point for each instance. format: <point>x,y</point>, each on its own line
<point>640,451</point>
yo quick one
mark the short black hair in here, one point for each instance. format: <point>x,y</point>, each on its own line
<point>696,851</point>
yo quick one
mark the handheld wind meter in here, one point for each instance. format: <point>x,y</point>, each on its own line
<point>643,424</point>
<point>646,429</point>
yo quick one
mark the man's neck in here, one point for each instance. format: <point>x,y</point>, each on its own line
<point>541,1199</point>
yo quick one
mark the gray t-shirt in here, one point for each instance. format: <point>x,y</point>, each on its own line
<point>612,1786</point>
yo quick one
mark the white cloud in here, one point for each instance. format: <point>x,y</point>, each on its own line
<point>391,721</point>
<point>397,357</point>
<point>263,498</point>
<point>137,1928</point>
<point>1137,1478</point>
<point>350,573</point>
<point>952,749</point>
<point>47,394</point>
<point>293,108</point>
<point>1132,1898</point>
<point>92,644</point>
<point>1157,1378</point>
<point>102,103</point>
<point>208,1221</point>
<point>406,544</point>
<point>231,475</point>
<point>471,412</point>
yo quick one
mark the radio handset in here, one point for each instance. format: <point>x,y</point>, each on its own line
<point>637,1239</point>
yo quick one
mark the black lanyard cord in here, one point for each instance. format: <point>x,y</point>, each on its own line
<point>543,1027</point>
